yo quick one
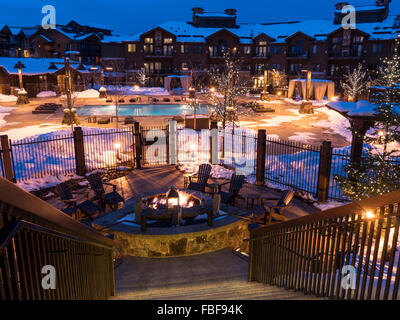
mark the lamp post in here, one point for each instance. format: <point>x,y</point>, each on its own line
<point>22,94</point>
<point>306,106</point>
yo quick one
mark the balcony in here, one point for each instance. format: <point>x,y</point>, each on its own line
<point>346,54</point>
<point>298,55</point>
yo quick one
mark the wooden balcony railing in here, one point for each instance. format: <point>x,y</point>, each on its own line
<point>33,234</point>
<point>349,252</point>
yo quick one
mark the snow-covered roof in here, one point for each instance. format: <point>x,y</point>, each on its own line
<point>317,29</point>
<point>33,66</point>
<point>121,37</point>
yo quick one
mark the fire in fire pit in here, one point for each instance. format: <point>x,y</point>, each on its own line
<point>160,202</point>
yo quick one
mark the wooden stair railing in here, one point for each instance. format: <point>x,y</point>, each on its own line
<point>34,234</point>
<point>349,252</point>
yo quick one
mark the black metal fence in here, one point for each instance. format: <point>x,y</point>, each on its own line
<point>109,148</point>
<point>154,148</point>
<point>238,148</point>
<point>43,156</point>
<point>193,146</point>
<point>292,164</point>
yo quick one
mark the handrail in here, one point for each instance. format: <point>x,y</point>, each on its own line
<point>354,207</point>
<point>37,208</point>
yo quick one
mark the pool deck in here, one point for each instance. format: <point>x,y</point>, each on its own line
<point>284,123</point>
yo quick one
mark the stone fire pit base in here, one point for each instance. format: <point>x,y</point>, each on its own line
<point>183,244</point>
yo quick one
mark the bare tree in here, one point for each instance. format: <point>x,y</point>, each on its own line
<point>142,77</point>
<point>354,83</point>
<point>228,87</point>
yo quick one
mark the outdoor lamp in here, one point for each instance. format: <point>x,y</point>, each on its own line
<point>117,145</point>
<point>192,93</point>
<point>172,198</point>
<point>93,68</point>
<point>369,215</point>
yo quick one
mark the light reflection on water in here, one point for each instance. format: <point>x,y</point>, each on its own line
<point>141,110</point>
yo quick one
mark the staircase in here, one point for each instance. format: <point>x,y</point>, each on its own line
<point>220,275</point>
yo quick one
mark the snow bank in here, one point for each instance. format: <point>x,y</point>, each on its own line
<point>91,93</point>
<point>46,94</point>
<point>45,182</point>
<point>135,90</point>
<point>7,98</point>
<point>336,122</point>
<point>4,111</point>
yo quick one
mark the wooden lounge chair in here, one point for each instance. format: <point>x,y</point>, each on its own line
<point>235,184</point>
<point>276,212</point>
<point>103,121</point>
<point>87,207</point>
<point>111,198</point>
<point>198,181</point>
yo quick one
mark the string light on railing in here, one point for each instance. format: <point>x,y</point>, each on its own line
<point>369,214</point>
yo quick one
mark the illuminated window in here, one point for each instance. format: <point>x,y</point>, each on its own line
<point>131,47</point>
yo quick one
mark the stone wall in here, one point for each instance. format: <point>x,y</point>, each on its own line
<point>213,239</point>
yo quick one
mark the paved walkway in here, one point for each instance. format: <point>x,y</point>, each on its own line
<point>219,275</point>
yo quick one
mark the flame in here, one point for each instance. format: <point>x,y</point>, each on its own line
<point>185,201</point>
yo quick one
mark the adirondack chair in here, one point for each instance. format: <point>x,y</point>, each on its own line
<point>111,198</point>
<point>235,184</point>
<point>276,212</point>
<point>87,207</point>
<point>199,180</point>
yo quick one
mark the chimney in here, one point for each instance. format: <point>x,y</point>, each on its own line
<point>231,12</point>
<point>197,10</point>
<point>340,5</point>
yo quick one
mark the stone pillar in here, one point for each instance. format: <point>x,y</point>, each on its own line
<point>173,146</point>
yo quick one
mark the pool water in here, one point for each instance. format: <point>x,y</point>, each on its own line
<point>142,110</point>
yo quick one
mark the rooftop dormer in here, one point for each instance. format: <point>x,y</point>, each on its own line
<point>226,19</point>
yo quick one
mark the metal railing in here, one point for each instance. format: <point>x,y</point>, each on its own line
<point>37,240</point>
<point>350,252</point>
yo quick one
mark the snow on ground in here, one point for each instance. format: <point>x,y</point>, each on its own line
<point>33,130</point>
<point>7,98</point>
<point>45,182</point>
<point>302,137</point>
<point>4,111</point>
<point>336,122</point>
<point>135,90</point>
<point>46,94</point>
<point>316,103</point>
<point>91,93</point>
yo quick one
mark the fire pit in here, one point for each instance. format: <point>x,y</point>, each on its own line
<point>170,203</point>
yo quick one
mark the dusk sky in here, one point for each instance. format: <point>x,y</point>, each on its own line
<point>131,16</point>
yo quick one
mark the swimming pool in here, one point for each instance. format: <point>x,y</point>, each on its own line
<point>141,110</point>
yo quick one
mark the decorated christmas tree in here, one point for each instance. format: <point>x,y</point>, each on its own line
<point>378,171</point>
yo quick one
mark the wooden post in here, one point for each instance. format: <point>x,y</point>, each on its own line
<point>214,142</point>
<point>5,147</point>
<point>261,153</point>
<point>324,172</point>
<point>360,125</point>
<point>79,152</point>
<point>172,143</point>
<point>138,146</point>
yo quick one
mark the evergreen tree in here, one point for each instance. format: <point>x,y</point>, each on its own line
<point>379,169</point>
